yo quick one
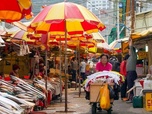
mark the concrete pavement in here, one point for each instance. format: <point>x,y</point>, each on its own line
<point>79,105</point>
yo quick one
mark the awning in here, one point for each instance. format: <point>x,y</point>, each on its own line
<point>139,35</point>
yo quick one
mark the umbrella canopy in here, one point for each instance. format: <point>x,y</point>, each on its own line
<point>65,17</point>
<point>98,36</point>
<point>81,44</point>
<point>22,35</point>
<point>101,44</point>
<point>116,45</point>
<point>15,10</point>
<point>100,48</point>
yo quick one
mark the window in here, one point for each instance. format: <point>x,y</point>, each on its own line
<point>93,2</point>
<point>93,5</point>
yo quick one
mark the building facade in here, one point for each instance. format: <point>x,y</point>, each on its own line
<point>104,10</point>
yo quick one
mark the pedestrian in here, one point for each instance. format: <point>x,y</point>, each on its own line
<point>87,72</point>
<point>131,69</point>
<point>104,64</point>
<point>115,63</point>
<point>124,73</point>
<point>74,68</point>
<point>83,69</point>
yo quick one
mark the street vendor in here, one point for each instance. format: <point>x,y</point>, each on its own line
<point>131,69</point>
<point>103,65</point>
<point>15,70</point>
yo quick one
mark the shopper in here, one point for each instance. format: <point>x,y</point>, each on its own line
<point>74,67</point>
<point>124,73</point>
<point>87,72</point>
<point>131,69</point>
<point>83,69</point>
<point>115,63</point>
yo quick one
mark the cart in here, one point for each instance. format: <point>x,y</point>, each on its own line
<point>95,97</point>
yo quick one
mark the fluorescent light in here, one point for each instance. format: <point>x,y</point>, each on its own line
<point>146,48</point>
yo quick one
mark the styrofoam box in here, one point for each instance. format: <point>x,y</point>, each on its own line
<point>138,91</point>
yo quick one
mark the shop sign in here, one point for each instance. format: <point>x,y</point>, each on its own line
<point>142,55</point>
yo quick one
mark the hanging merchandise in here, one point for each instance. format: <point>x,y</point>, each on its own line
<point>21,50</point>
<point>24,49</point>
<point>21,53</point>
<point>2,42</point>
<point>27,49</point>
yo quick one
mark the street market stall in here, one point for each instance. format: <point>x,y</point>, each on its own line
<point>142,88</point>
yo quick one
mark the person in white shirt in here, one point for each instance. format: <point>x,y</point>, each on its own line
<point>83,69</point>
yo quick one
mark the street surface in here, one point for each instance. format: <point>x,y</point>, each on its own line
<point>79,105</point>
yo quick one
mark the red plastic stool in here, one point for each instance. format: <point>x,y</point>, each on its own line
<point>49,97</point>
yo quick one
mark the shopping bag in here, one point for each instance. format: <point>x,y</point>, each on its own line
<point>105,98</point>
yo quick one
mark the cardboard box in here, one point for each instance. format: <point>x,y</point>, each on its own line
<point>95,91</point>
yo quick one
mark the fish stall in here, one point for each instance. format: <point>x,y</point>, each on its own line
<point>22,96</point>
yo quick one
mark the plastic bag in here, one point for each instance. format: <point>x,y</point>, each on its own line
<point>105,98</point>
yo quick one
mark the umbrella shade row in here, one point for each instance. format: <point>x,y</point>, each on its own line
<point>49,41</point>
<point>75,42</point>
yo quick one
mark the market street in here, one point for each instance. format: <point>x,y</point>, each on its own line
<point>79,105</point>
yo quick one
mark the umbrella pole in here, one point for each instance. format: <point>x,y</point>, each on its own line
<point>79,75</point>
<point>46,69</point>
<point>60,75</point>
<point>65,69</point>
<point>79,72</point>
<point>76,70</point>
<point>46,76</point>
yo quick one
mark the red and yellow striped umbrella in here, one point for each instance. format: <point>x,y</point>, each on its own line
<point>65,17</point>
<point>22,35</point>
<point>15,10</point>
